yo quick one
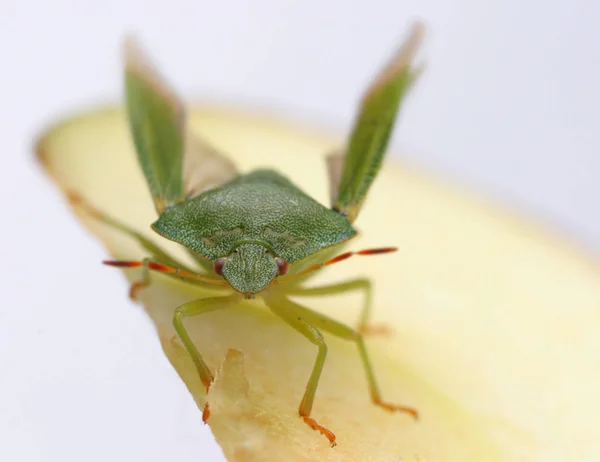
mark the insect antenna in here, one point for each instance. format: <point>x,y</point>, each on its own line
<point>337,259</point>
<point>177,272</point>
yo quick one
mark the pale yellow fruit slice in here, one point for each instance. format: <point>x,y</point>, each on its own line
<point>496,321</point>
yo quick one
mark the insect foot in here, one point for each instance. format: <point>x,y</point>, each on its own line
<point>396,408</point>
<point>135,288</point>
<point>312,423</point>
<point>206,410</point>
<point>205,413</point>
<point>229,386</point>
<point>368,330</point>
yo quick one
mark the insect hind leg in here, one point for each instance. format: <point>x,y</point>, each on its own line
<point>338,329</point>
<point>364,325</point>
<point>79,202</point>
<point>159,260</point>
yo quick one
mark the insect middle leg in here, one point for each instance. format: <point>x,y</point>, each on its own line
<point>338,329</point>
<point>195,308</point>
<point>365,285</point>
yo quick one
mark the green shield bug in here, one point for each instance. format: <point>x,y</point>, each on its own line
<point>256,234</point>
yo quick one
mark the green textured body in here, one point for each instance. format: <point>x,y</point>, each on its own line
<point>261,207</point>
<point>254,227</point>
<point>257,234</point>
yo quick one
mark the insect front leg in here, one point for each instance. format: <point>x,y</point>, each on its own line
<point>144,280</point>
<point>195,308</point>
<point>338,329</point>
<point>281,308</point>
<point>362,284</point>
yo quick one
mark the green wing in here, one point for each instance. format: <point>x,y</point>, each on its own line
<point>351,174</point>
<point>176,164</point>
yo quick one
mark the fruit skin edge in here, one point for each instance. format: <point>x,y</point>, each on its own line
<point>415,335</point>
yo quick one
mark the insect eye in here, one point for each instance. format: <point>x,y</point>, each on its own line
<point>282,265</point>
<point>218,266</point>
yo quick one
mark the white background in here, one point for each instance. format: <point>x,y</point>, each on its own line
<point>509,105</point>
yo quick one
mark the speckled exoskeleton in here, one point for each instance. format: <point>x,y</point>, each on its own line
<point>256,234</point>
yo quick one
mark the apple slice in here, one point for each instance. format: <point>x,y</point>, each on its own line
<point>495,320</point>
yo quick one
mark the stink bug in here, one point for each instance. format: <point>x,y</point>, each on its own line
<point>256,234</point>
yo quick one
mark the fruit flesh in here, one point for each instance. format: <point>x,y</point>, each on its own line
<point>494,318</point>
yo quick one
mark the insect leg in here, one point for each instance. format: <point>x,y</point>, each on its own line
<point>340,330</point>
<point>195,308</point>
<point>77,201</point>
<point>356,284</point>
<point>280,307</point>
<point>144,281</point>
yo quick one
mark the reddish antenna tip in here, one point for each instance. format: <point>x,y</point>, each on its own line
<point>122,264</point>
<point>377,251</point>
